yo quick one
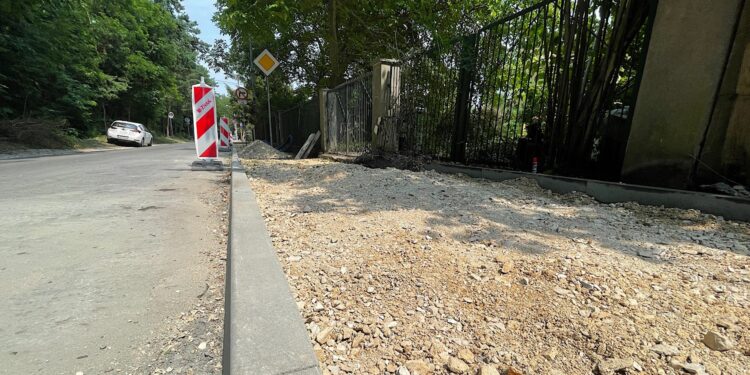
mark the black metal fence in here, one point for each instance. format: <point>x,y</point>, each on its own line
<point>555,82</point>
<point>294,125</point>
<point>349,116</point>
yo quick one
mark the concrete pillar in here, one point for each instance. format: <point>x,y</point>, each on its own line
<point>686,59</point>
<point>727,147</point>
<point>323,108</point>
<point>736,152</point>
<point>386,86</point>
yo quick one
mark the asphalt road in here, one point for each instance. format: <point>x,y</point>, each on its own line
<point>97,251</point>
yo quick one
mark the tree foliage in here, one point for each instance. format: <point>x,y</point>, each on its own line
<point>322,43</point>
<point>92,61</point>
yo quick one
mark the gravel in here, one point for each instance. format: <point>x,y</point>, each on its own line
<point>261,150</point>
<point>391,266</point>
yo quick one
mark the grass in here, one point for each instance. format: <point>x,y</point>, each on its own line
<point>159,139</point>
<point>94,142</point>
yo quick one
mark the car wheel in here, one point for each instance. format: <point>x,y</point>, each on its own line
<point>151,142</point>
<point>141,144</point>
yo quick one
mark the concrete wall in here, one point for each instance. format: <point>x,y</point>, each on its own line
<point>735,160</point>
<point>727,147</point>
<point>685,63</point>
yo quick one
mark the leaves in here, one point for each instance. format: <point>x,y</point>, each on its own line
<point>323,43</point>
<point>132,59</point>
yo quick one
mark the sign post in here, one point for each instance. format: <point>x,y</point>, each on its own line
<point>205,129</point>
<point>267,64</point>
<point>170,116</point>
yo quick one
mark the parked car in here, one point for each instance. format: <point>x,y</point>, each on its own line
<point>129,132</point>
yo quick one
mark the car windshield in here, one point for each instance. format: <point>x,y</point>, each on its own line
<point>124,125</point>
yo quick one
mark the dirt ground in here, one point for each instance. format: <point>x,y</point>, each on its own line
<point>419,272</point>
<point>192,342</point>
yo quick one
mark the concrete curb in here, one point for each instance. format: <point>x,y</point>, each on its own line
<point>263,330</point>
<point>733,208</point>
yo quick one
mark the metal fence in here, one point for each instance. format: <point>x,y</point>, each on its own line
<point>349,116</point>
<point>555,81</point>
<point>554,84</point>
<point>294,125</point>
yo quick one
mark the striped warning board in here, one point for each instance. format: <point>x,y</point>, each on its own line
<point>204,121</point>
<point>224,134</point>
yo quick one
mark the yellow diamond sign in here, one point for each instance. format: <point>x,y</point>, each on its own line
<point>266,62</point>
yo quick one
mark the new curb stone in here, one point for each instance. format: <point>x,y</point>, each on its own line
<point>263,330</point>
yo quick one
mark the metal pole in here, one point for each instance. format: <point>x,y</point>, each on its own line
<point>268,95</point>
<point>347,122</point>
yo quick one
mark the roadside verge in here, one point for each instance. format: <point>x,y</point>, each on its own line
<point>263,330</point>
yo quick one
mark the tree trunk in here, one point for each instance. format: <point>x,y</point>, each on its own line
<point>334,51</point>
<point>629,19</point>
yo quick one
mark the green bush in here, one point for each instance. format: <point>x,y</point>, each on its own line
<point>35,133</point>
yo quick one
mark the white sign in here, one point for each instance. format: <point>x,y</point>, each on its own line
<point>266,62</point>
<point>204,121</point>
<point>170,115</point>
<point>224,132</point>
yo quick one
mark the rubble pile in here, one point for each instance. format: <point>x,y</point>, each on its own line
<point>261,150</point>
<point>403,272</point>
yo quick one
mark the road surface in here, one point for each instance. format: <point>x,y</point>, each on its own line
<point>98,250</point>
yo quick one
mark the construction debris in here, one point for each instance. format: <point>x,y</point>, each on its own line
<point>307,148</point>
<point>261,150</point>
<point>391,267</point>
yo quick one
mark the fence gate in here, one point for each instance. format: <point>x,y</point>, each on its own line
<point>349,114</point>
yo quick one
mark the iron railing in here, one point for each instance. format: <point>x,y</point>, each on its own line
<point>294,125</point>
<point>554,81</point>
<point>349,116</point>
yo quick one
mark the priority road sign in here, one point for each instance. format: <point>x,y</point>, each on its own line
<point>266,62</point>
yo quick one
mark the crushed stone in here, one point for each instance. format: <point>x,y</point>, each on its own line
<point>391,268</point>
<point>261,150</point>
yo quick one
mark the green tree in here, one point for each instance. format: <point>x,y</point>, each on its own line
<point>92,61</point>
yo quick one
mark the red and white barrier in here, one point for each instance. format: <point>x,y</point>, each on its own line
<point>224,134</point>
<point>204,121</point>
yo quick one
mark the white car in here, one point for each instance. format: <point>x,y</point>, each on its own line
<point>129,132</point>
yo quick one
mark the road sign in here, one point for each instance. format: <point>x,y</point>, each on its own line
<point>186,120</point>
<point>171,115</point>
<point>204,121</point>
<point>266,62</point>
<point>240,93</point>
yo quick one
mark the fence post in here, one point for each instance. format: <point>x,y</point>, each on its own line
<point>386,83</point>
<point>467,65</point>
<point>323,109</point>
